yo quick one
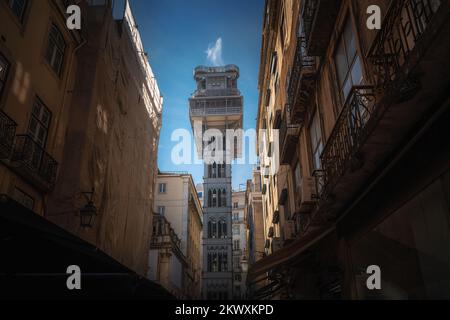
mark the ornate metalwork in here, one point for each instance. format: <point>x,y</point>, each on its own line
<point>309,10</point>
<point>35,163</point>
<point>289,133</point>
<point>347,136</point>
<point>7,133</point>
<point>301,81</point>
<point>405,22</point>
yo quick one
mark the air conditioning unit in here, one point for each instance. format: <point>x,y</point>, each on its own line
<point>289,230</point>
<point>307,190</point>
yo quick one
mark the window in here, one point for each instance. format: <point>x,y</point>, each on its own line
<point>18,7</point>
<point>236,230</point>
<point>200,194</point>
<point>55,49</point>
<point>348,63</point>
<point>236,216</point>
<point>235,205</point>
<point>161,210</point>
<point>162,188</point>
<point>222,229</point>
<point>315,133</point>
<point>24,199</point>
<point>4,68</point>
<point>236,245</point>
<point>39,122</point>
<point>236,262</point>
<point>237,277</point>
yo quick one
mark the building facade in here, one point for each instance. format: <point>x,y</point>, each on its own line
<point>363,165</point>
<point>239,235</point>
<point>177,200</point>
<point>166,261</point>
<point>215,107</point>
<point>255,232</point>
<point>71,104</point>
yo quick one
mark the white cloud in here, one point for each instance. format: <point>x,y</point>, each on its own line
<point>214,53</point>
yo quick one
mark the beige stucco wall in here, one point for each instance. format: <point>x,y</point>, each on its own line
<point>23,45</point>
<point>184,212</point>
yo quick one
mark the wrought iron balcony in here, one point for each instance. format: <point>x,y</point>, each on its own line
<point>31,161</point>
<point>301,83</point>
<point>7,132</point>
<point>289,134</point>
<point>215,107</point>
<point>346,138</point>
<point>405,23</point>
<point>318,19</point>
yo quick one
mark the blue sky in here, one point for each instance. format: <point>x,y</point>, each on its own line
<point>177,35</point>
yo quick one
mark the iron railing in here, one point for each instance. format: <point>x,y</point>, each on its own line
<point>303,67</point>
<point>7,133</point>
<point>347,136</point>
<point>289,132</point>
<point>405,22</point>
<point>35,163</point>
<point>309,9</point>
<point>216,92</point>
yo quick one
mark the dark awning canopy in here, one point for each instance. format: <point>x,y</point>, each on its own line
<point>36,253</point>
<point>287,253</point>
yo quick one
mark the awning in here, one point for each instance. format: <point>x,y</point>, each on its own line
<point>36,254</point>
<point>287,253</point>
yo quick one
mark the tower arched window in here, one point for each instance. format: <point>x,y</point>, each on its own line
<point>224,197</point>
<point>222,228</point>
<point>209,198</point>
<point>209,229</point>
<point>214,262</point>
<point>214,198</point>
<point>214,170</point>
<point>213,232</point>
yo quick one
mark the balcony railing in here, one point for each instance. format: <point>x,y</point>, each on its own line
<point>301,81</point>
<point>347,136</point>
<point>204,111</point>
<point>7,132</point>
<point>34,163</point>
<point>289,133</point>
<point>318,18</point>
<point>405,23</point>
<point>216,92</point>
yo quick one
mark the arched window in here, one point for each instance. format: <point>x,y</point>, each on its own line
<point>219,171</point>
<point>220,198</point>
<point>220,262</point>
<point>224,197</point>
<point>224,229</point>
<point>213,228</point>
<point>209,229</point>
<point>214,263</point>
<point>209,262</point>
<point>214,198</point>
<point>209,171</point>
<point>209,198</point>
<point>224,264</point>
<point>214,169</point>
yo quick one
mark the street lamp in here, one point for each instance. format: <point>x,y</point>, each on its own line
<point>89,211</point>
